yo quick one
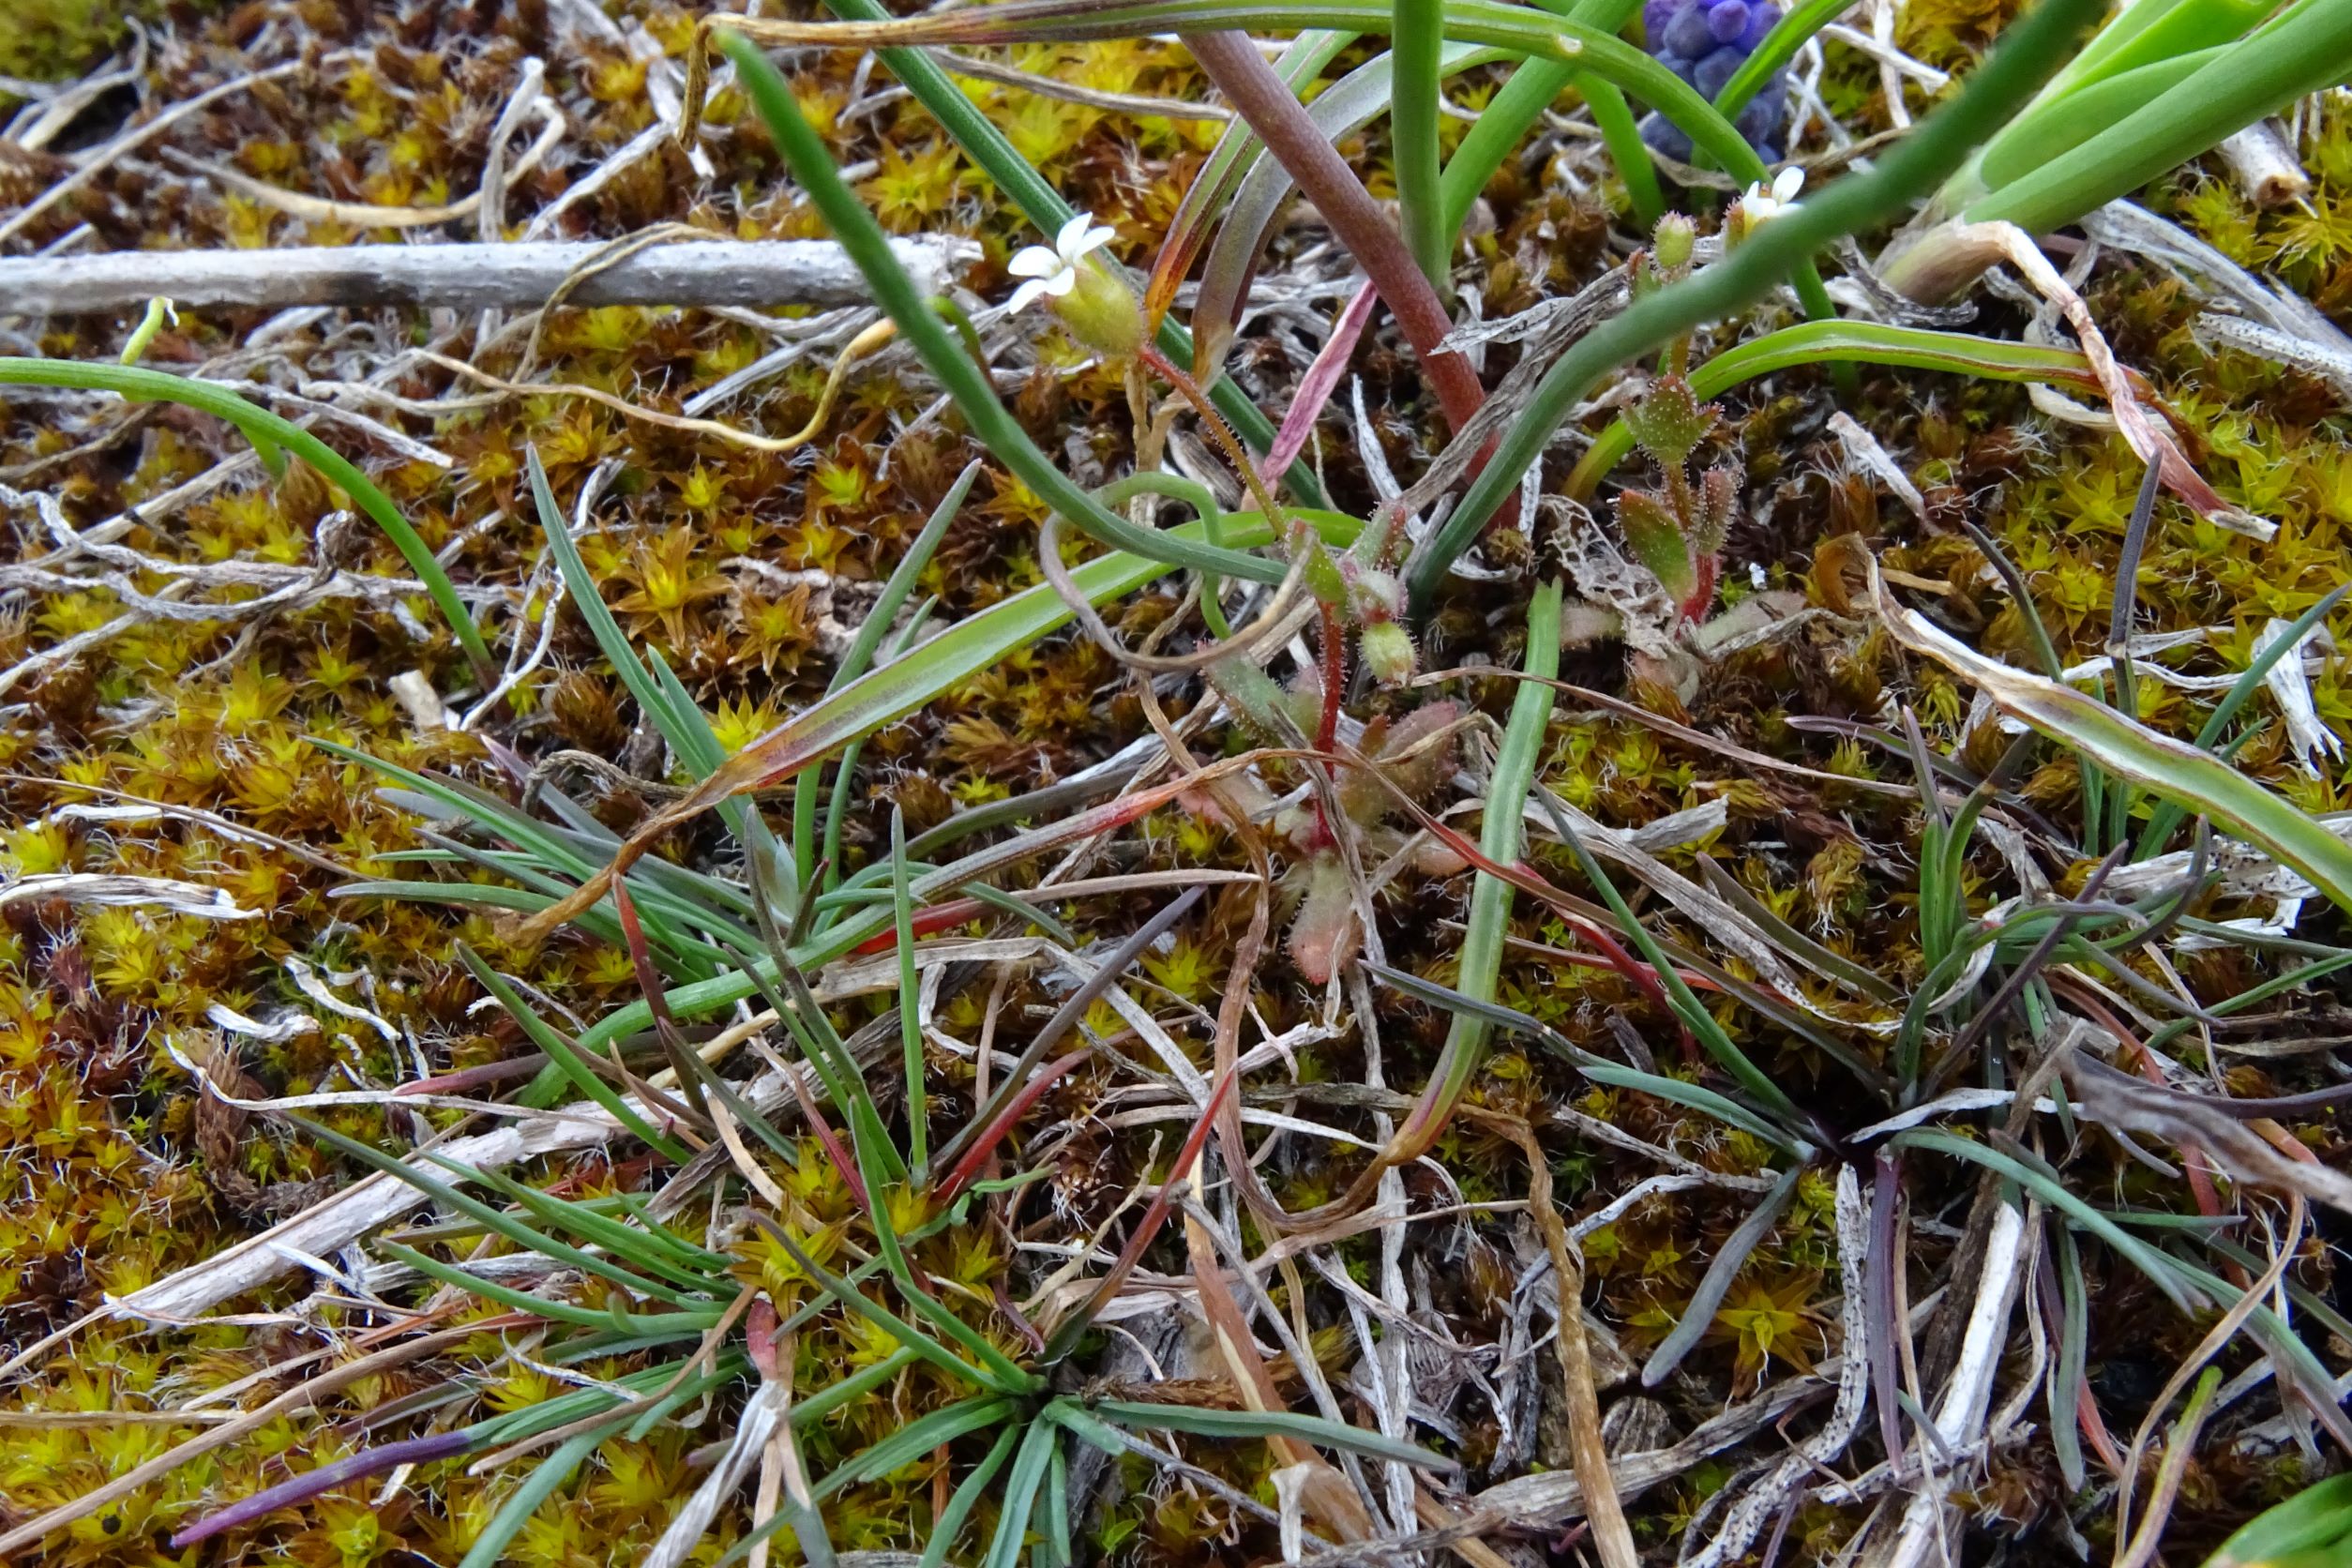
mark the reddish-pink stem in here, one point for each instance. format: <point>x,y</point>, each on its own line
<point>1259,96</point>
<point>985,1145</point>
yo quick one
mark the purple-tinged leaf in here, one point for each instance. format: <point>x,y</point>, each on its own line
<point>367,1462</point>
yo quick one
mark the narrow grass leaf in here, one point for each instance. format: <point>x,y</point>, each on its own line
<point>1480,954</point>
<point>566,1057</point>
<point>272,438</point>
<point>1716,1283</point>
<point>1202,1421</point>
<point>1020,1494</point>
<point>2184,774</point>
<point>910,1002</point>
<point>2028,50</point>
<point>950,1523</point>
<point>2162,1271</point>
<point>916,1440</point>
<point>525,1236</point>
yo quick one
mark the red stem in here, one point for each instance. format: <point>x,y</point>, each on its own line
<point>985,1145</point>
<point>929,921</point>
<point>1259,96</point>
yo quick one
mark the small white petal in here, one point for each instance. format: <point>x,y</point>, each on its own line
<point>1093,239</point>
<point>1060,282</point>
<point>1071,234</point>
<point>1034,261</point>
<point>1033,290</point>
<point>1787,183</point>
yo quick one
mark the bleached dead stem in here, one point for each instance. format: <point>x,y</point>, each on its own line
<point>1960,1414</point>
<point>748,273</point>
<point>2263,165</point>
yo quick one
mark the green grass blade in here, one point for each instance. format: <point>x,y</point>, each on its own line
<point>950,1524</point>
<point>273,436</point>
<point>1716,1283</point>
<point>688,1267</point>
<point>2123,746</point>
<point>1779,47</point>
<point>905,1334</point>
<point>589,600</point>
<point>993,425</point>
<point>523,1300</point>
<point>2316,1517</point>
<point>1417,41</point>
<point>845,766</point>
<point>986,146</point>
<point>2303,53</point>
<point>1687,1006</point>
<point>1020,1494</point>
<point>2161,1271</point>
<point>566,1057</point>
<point>1701,1098</point>
<point>809,1412</point>
<point>1499,833</point>
<point>489,1550</point>
<point>1058,1509</point>
<point>528,1237</point>
<point>1621,134</point>
<point>1533,87</point>
<point>860,653</point>
<point>2025,57</point>
<point>1847,343</point>
<point>916,1439</point>
<point>2166,818</point>
<point>1598,1069</point>
<point>910,1002</point>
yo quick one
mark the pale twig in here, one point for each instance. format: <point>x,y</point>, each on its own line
<point>523,274</point>
<point>1611,1533</point>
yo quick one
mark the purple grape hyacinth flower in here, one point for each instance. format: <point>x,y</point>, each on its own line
<point>1704,42</point>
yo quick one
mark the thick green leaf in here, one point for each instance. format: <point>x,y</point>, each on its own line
<point>2316,1517</point>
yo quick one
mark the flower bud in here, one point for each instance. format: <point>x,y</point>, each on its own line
<point>1375,595</point>
<point>1101,312</point>
<point>1388,652</point>
<point>1676,237</point>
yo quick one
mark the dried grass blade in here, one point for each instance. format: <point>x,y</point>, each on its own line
<point>2123,745</point>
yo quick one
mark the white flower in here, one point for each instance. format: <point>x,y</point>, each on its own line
<point>1054,272</point>
<point>1760,205</point>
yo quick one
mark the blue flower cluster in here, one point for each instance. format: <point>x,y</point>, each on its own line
<point>1704,42</point>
